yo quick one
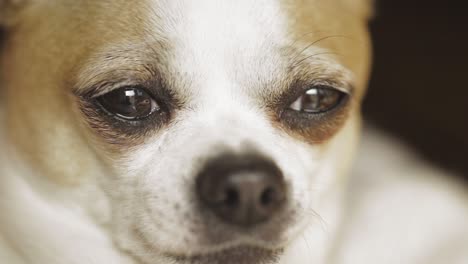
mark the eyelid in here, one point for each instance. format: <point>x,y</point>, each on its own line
<point>336,85</point>
<point>104,88</point>
<point>347,91</point>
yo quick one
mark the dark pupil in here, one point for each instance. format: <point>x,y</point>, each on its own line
<point>128,103</point>
<point>319,99</point>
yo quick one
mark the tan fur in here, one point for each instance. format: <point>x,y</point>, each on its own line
<point>9,10</point>
<point>346,37</point>
<point>348,41</point>
<point>48,51</point>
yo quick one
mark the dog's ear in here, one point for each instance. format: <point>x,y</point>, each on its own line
<point>365,8</point>
<point>9,11</point>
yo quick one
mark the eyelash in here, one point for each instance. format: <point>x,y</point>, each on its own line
<point>100,118</point>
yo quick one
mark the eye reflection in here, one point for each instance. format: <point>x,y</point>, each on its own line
<point>317,100</point>
<point>131,103</point>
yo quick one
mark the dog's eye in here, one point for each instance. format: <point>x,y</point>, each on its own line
<point>130,103</point>
<point>317,100</point>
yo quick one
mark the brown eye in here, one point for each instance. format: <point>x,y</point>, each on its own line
<point>130,103</point>
<point>317,100</point>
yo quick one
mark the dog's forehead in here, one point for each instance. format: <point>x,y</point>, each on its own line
<point>253,42</point>
<point>216,38</point>
<point>220,30</point>
<point>216,25</point>
<point>221,45</point>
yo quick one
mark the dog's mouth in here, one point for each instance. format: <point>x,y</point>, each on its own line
<point>234,255</point>
<point>246,252</point>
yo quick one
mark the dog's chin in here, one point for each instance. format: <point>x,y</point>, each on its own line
<point>233,252</point>
<point>234,255</point>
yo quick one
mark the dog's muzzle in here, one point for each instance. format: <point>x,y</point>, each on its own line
<point>242,190</point>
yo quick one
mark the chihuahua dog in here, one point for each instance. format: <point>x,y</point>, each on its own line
<point>205,132</point>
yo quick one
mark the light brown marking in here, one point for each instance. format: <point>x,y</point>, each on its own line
<point>340,29</point>
<point>39,62</point>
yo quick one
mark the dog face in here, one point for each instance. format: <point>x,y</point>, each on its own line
<point>211,131</point>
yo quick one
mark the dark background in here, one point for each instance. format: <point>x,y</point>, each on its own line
<point>418,88</point>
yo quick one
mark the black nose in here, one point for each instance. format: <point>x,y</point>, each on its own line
<point>243,190</point>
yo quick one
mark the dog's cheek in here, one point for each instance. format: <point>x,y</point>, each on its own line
<point>145,192</point>
<point>336,154</point>
<point>323,169</point>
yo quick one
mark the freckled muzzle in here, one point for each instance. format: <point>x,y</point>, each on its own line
<point>242,190</point>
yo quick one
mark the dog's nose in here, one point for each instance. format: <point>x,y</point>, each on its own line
<point>242,190</point>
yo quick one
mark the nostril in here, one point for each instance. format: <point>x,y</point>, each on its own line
<point>267,197</point>
<point>231,197</point>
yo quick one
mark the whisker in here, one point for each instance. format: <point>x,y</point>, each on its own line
<point>317,41</point>
<point>302,36</point>
<point>323,223</point>
<point>315,214</point>
<point>311,56</point>
<point>309,248</point>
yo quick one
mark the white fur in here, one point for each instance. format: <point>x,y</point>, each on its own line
<point>400,211</point>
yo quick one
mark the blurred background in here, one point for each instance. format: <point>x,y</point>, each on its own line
<point>419,89</point>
